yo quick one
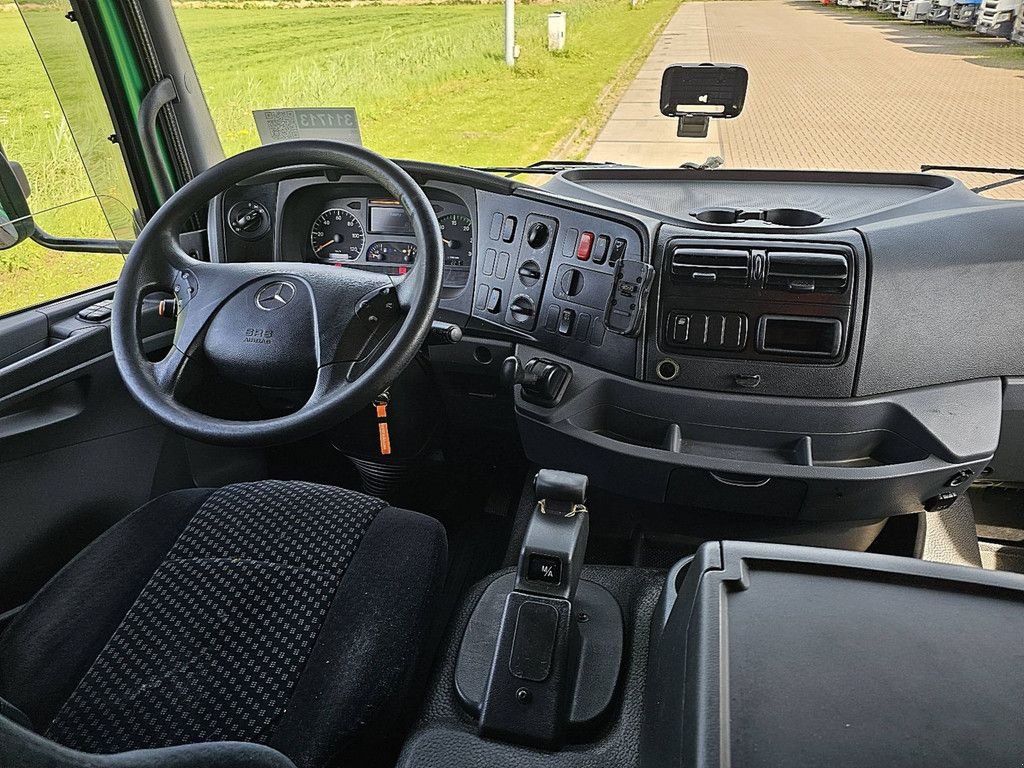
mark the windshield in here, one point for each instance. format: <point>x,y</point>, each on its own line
<point>830,87</point>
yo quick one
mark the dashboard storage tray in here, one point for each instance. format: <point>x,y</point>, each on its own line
<point>802,458</point>
<point>772,655</point>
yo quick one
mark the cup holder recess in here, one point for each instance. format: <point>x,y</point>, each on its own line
<point>782,217</point>
<point>718,215</point>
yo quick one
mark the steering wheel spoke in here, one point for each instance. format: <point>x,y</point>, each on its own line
<point>168,371</point>
<point>405,289</point>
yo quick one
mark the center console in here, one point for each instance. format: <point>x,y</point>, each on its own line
<point>542,652</point>
<point>744,654</point>
<point>770,655</point>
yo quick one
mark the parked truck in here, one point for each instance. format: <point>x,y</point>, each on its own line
<point>915,10</point>
<point>940,12</point>
<point>964,13</point>
<point>996,18</point>
<point>1017,35</point>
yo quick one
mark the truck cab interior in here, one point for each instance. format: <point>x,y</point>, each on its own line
<point>380,462</point>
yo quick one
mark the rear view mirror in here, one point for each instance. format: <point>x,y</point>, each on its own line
<point>15,218</point>
<point>695,93</point>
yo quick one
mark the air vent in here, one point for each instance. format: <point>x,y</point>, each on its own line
<point>710,266</point>
<point>805,272</point>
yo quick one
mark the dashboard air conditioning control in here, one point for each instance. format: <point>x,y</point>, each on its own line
<point>710,266</point>
<point>807,272</point>
<point>522,309</point>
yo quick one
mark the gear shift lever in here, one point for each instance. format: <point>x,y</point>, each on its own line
<point>551,559</point>
<point>530,687</point>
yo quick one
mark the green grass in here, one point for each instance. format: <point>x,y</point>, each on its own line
<point>429,82</point>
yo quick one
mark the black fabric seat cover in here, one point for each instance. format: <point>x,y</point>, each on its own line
<point>280,613</point>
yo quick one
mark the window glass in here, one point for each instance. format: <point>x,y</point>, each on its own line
<point>429,80</point>
<point>832,84</point>
<point>79,188</point>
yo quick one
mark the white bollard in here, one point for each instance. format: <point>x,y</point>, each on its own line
<point>556,31</point>
<point>510,32</point>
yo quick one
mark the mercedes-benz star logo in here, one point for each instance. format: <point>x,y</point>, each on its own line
<point>274,295</point>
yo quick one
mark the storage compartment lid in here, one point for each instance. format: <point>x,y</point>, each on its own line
<point>769,655</point>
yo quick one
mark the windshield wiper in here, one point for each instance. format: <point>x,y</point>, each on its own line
<point>557,166</point>
<point>551,166</point>
<point>1017,173</point>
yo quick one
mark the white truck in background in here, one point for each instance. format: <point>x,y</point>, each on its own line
<point>996,18</point>
<point>940,12</point>
<point>915,10</point>
<point>964,13</point>
<point>1017,35</point>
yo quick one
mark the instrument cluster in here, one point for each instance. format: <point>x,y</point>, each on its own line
<point>376,234</point>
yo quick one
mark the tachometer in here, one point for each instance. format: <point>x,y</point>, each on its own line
<point>457,234</point>
<point>337,235</point>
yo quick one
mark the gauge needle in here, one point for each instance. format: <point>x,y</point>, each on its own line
<point>332,241</point>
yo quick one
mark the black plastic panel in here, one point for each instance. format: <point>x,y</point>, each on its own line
<point>707,316</point>
<point>768,655</point>
<point>812,459</point>
<point>945,298</point>
<point>566,294</point>
<point>680,194</point>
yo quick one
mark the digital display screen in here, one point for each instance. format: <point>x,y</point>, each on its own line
<point>389,220</point>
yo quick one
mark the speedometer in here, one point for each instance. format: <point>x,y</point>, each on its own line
<point>336,235</point>
<point>457,234</point>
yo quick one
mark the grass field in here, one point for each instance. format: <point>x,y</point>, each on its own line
<point>429,82</point>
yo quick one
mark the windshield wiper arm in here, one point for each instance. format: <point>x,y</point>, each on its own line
<point>1017,173</point>
<point>550,166</point>
<point>557,166</point>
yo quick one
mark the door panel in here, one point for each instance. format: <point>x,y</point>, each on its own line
<point>76,451</point>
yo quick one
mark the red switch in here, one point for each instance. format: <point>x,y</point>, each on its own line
<point>586,243</point>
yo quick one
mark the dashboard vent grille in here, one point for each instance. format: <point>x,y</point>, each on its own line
<point>806,272</point>
<point>711,266</point>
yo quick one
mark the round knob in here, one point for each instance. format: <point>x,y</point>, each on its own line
<point>572,282</point>
<point>537,235</point>
<point>529,273</point>
<point>249,220</point>
<point>521,309</point>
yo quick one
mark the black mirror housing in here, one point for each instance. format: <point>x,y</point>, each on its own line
<point>695,93</point>
<point>16,222</point>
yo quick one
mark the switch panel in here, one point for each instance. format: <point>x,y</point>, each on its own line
<point>556,275</point>
<point>707,330</point>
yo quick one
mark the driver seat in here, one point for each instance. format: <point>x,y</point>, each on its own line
<point>283,614</point>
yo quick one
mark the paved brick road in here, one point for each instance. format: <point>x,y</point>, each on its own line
<point>828,89</point>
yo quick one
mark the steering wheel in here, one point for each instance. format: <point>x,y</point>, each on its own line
<point>344,334</point>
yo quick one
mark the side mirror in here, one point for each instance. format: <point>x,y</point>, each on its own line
<point>695,93</point>
<point>15,218</point>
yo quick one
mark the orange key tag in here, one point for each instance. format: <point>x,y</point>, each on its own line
<point>381,404</point>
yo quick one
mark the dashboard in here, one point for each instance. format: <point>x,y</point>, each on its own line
<point>831,343</point>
